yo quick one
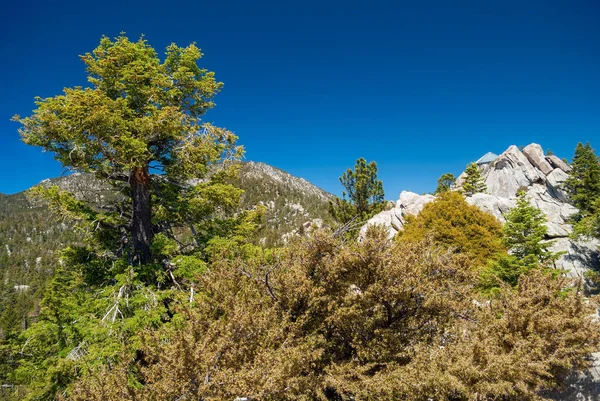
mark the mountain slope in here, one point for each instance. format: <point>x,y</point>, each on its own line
<point>291,202</point>
<point>30,236</point>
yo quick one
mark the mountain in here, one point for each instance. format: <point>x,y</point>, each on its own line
<point>504,175</point>
<point>292,203</point>
<point>29,240</point>
<point>30,236</point>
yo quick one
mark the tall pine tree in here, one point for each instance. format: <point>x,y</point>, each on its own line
<point>363,195</point>
<point>583,187</point>
<point>140,115</point>
<point>583,184</point>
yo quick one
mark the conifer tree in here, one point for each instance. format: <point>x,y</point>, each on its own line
<point>138,127</point>
<point>444,183</point>
<point>473,181</point>
<point>140,115</point>
<point>583,184</point>
<point>364,191</point>
<point>583,187</point>
<point>523,234</point>
<point>525,230</point>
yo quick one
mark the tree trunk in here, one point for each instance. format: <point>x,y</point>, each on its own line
<point>141,225</point>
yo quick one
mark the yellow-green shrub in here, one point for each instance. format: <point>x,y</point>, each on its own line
<point>453,223</point>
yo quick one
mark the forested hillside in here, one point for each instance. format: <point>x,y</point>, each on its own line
<point>29,239</point>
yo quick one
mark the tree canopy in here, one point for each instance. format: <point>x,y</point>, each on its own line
<point>364,193</point>
<point>452,222</point>
<point>524,235</point>
<point>583,187</point>
<point>444,183</point>
<point>138,130</point>
<point>329,320</point>
<point>140,115</point>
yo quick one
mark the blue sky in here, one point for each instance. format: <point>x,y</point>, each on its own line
<point>421,87</point>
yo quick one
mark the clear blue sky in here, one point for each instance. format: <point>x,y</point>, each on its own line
<point>421,87</point>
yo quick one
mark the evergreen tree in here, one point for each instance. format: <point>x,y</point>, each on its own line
<point>139,116</point>
<point>444,183</point>
<point>473,181</point>
<point>523,234</point>
<point>525,230</point>
<point>364,191</point>
<point>583,184</point>
<point>583,187</point>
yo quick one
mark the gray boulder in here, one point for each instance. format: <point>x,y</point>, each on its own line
<point>558,163</point>
<point>409,204</point>
<point>494,205</point>
<point>535,155</point>
<point>510,172</point>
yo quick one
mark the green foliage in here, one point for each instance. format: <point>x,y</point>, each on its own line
<point>583,187</point>
<point>456,225</point>
<point>473,182</point>
<point>328,320</point>
<point>364,191</point>
<point>523,234</point>
<point>135,111</point>
<point>524,231</point>
<point>583,184</point>
<point>444,183</point>
<point>139,115</point>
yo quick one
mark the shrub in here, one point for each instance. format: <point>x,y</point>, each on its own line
<point>455,224</point>
<point>375,320</point>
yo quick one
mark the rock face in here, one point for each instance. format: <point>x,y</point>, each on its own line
<point>542,178</point>
<point>513,170</point>
<point>535,155</point>
<point>409,204</point>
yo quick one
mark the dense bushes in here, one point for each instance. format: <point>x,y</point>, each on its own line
<point>371,321</point>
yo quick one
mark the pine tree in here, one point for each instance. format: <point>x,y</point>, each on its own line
<point>139,116</point>
<point>583,184</point>
<point>525,230</point>
<point>139,127</point>
<point>445,182</point>
<point>523,234</point>
<point>473,181</point>
<point>364,191</point>
<point>583,187</point>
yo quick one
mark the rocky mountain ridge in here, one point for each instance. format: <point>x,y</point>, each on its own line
<point>513,170</point>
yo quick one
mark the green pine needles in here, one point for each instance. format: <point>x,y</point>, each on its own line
<point>474,182</point>
<point>524,235</point>
<point>583,187</point>
<point>364,193</point>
